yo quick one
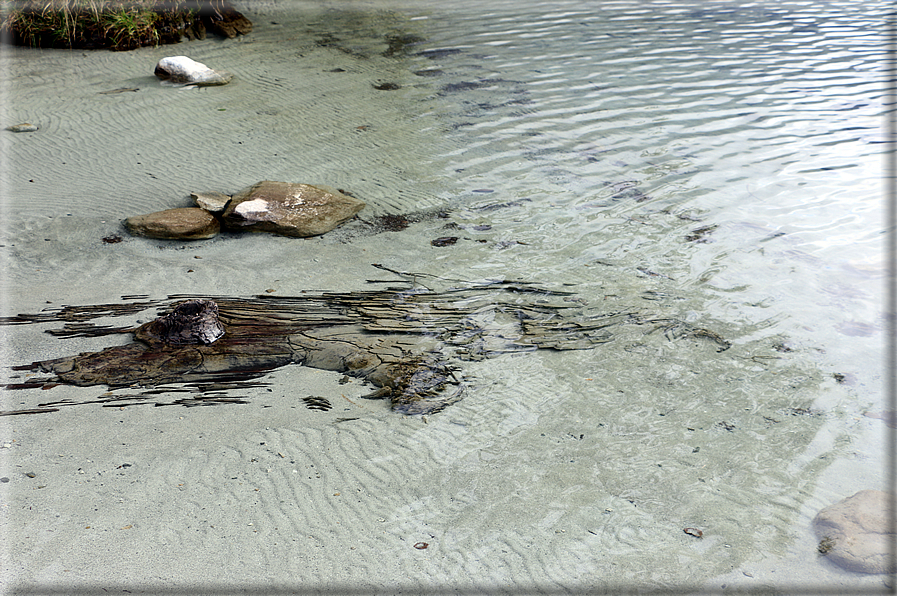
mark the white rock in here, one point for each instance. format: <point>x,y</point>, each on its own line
<point>253,207</point>
<point>183,70</point>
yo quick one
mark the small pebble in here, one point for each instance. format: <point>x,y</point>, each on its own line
<point>23,127</point>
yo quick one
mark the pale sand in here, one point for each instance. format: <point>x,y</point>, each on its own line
<point>271,495</point>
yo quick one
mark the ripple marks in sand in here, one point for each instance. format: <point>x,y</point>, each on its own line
<point>147,150</point>
<point>326,497</point>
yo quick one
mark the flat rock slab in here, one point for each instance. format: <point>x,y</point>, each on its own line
<point>213,202</point>
<point>854,533</point>
<point>185,71</point>
<point>289,209</point>
<point>185,223</point>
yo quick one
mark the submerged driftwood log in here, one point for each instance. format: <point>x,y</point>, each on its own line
<point>406,342</point>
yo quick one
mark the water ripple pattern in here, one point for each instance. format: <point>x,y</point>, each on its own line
<point>716,163</point>
<point>697,123</point>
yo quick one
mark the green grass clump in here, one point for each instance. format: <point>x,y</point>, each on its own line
<point>115,24</point>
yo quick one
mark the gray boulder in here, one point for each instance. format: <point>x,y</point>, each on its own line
<point>184,71</point>
<point>854,533</point>
<point>186,223</point>
<point>289,209</point>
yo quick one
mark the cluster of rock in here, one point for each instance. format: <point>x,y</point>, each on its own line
<point>284,208</point>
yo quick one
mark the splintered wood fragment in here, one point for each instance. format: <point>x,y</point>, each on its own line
<point>28,411</point>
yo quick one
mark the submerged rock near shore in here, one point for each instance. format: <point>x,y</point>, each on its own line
<point>23,127</point>
<point>289,209</point>
<point>284,208</point>
<point>185,223</point>
<point>854,533</point>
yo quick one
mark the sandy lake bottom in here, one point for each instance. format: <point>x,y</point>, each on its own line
<point>690,161</point>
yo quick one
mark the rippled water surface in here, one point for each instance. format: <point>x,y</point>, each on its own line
<point>712,162</point>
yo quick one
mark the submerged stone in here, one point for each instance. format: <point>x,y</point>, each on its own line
<point>289,209</point>
<point>183,223</point>
<point>23,127</point>
<point>854,533</point>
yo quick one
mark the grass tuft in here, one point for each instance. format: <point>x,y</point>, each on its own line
<point>115,24</point>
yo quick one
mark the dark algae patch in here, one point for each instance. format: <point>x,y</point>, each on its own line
<point>409,343</point>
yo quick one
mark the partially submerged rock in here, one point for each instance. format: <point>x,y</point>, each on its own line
<point>284,208</point>
<point>854,533</point>
<point>185,71</point>
<point>289,209</point>
<point>184,223</point>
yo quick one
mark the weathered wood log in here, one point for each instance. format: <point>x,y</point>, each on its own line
<point>407,342</point>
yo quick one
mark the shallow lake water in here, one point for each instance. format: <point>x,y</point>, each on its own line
<point>716,163</point>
